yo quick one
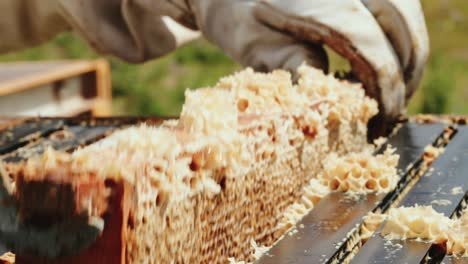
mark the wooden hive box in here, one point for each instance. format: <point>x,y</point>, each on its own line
<point>55,88</point>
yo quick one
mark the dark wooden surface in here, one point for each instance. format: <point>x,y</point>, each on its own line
<point>324,231</point>
<point>450,170</point>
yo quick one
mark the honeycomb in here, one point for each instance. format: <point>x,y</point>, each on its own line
<point>238,168</point>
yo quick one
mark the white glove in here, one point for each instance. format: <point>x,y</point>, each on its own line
<point>385,41</point>
<point>122,28</point>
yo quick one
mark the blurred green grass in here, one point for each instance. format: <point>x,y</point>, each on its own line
<point>157,87</point>
<point>445,85</point>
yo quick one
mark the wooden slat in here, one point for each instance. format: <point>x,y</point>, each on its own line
<point>74,136</point>
<point>321,234</point>
<point>15,77</point>
<point>450,171</point>
<point>11,139</point>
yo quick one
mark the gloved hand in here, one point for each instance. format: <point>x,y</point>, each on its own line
<point>385,41</point>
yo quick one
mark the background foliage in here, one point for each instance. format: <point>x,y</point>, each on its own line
<point>157,87</point>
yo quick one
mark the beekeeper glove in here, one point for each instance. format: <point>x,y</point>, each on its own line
<point>385,41</point>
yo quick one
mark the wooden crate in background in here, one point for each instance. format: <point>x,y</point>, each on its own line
<point>55,88</point>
